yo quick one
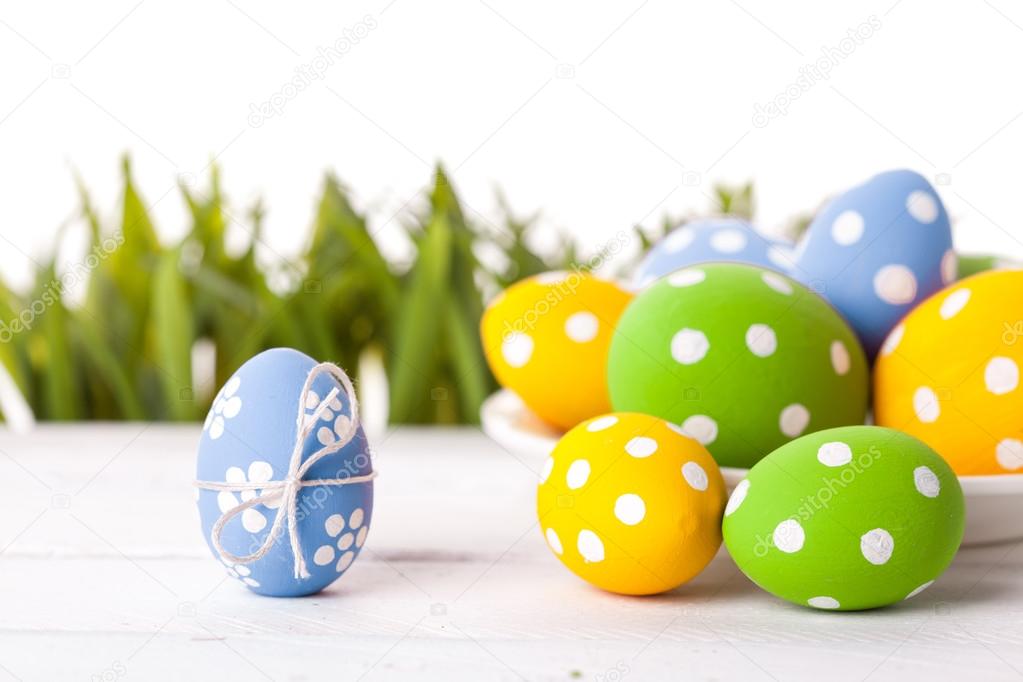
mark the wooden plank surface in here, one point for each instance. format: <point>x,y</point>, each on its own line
<point>104,575</point>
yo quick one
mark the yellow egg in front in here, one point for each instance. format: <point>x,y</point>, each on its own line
<point>547,337</point>
<point>949,374</point>
<point>631,505</point>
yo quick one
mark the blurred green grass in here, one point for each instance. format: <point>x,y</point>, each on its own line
<point>125,351</point>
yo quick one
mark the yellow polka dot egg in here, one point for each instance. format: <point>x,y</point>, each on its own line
<point>547,337</point>
<point>630,504</point>
<point>949,374</point>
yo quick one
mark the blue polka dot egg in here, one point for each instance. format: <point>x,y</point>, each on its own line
<point>246,455</point>
<point>878,250</point>
<point>710,240</point>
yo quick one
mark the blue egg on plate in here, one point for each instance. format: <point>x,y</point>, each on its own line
<point>877,250</point>
<point>248,437</point>
<point>712,239</point>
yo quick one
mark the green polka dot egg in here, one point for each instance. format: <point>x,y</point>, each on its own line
<point>741,358</point>
<point>849,518</point>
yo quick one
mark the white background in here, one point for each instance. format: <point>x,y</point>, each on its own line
<point>600,116</point>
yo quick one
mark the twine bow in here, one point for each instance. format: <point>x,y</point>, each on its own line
<point>286,490</point>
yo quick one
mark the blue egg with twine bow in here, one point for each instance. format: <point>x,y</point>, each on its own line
<point>284,475</point>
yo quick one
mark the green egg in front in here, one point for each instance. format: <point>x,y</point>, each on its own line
<point>846,519</point>
<point>743,359</point>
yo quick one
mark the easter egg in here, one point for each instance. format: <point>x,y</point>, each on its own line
<point>248,438</point>
<point>877,250</point>
<point>546,338</point>
<point>708,240</point>
<point>742,358</point>
<point>949,374</point>
<point>849,518</point>
<point>631,505</point>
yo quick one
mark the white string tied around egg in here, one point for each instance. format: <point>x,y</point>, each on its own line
<point>287,490</point>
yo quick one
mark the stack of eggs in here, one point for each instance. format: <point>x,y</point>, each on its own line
<point>735,350</point>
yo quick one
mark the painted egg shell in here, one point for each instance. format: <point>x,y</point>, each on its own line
<point>709,240</point>
<point>949,374</point>
<point>248,436</point>
<point>848,518</point>
<point>631,505</point>
<point>878,250</point>
<point>546,339</point>
<point>742,358</point>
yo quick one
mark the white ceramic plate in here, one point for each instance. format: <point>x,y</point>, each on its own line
<point>994,504</point>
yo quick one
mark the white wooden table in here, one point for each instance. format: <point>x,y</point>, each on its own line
<point>104,575</point>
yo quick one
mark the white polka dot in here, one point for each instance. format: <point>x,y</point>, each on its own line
<point>578,473</point>
<point>260,472</point>
<point>728,241</point>
<point>922,206</point>
<point>781,256</point>
<point>834,454</point>
<point>553,541</point>
<point>1009,454</point>
<point>679,240</point>
<point>253,521</point>
<point>232,407</point>
<point>217,428</point>
<point>251,582</point>
<point>601,423</point>
<point>325,436</point>
<point>345,561</point>
<point>324,555</point>
<point>590,546</point>
<point>355,520</point>
<point>953,303</point>
<point>893,340</point>
<point>226,501</point>
<point>545,472</point>
<point>895,284</point>
<point>243,570</point>
<point>641,446</point>
<point>847,228</point>
<point>334,524</point>
<point>582,327</point>
<point>949,267</point>
<point>687,277</point>
<point>700,428</point>
<point>312,400</point>
<point>234,475</point>
<point>737,497</point>
<point>761,340</point>
<point>360,537</point>
<point>823,602</point>
<point>919,589</point>
<point>926,482</point>
<point>517,348</point>
<point>630,509</point>
<point>777,282</point>
<point>1001,375</point>
<point>689,346</point>
<point>695,476</point>
<point>794,420</point>
<point>840,359</point>
<point>925,405</point>
<point>345,541</point>
<point>877,546</point>
<point>789,536</point>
